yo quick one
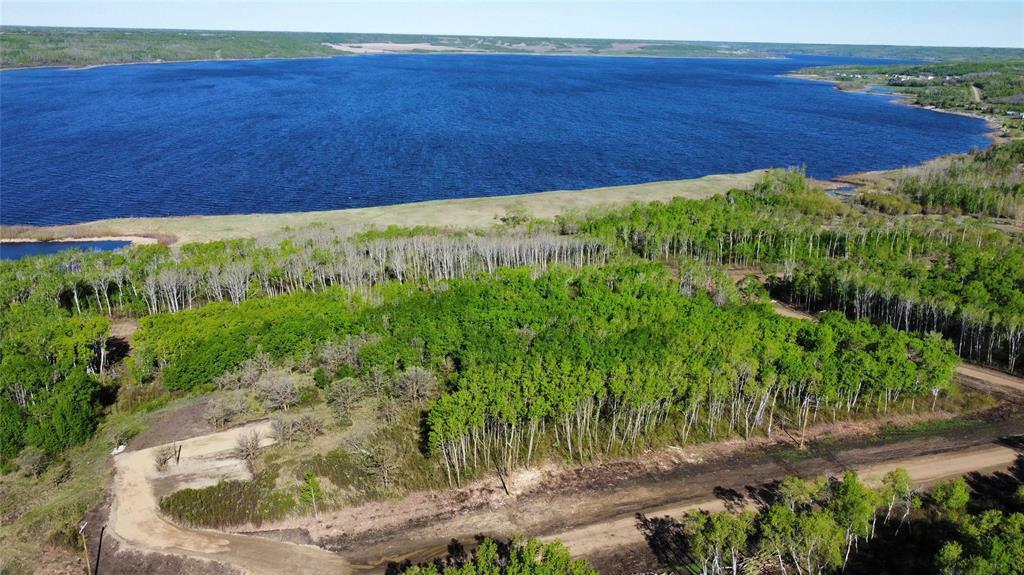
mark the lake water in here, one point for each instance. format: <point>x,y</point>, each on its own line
<point>277,136</point>
<point>15,251</point>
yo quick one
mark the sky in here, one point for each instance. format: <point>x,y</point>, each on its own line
<point>997,23</point>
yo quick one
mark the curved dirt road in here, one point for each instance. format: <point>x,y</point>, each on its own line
<point>136,520</point>
<point>990,379</point>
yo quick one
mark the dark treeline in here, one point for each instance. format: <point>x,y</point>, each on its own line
<point>962,279</point>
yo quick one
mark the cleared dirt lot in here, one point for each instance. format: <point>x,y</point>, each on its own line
<point>135,519</point>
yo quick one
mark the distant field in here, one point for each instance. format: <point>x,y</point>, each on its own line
<point>462,213</point>
<point>31,46</point>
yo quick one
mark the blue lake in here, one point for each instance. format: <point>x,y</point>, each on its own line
<point>296,135</point>
<point>15,251</point>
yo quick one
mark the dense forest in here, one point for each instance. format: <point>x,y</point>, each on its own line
<point>432,299</point>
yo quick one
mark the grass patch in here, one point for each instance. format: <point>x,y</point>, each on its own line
<point>230,502</point>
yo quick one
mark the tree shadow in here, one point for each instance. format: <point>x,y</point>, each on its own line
<point>734,500</point>
<point>998,489</point>
<point>458,555</point>
<point>665,538</point>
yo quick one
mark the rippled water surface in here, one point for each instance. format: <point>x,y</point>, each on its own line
<point>15,251</point>
<point>276,136</point>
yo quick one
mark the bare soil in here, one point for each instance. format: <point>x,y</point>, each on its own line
<point>178,425</point>
<point>593,509</point>
<point>135,520</point>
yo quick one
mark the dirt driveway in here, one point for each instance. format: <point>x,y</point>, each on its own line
<point>135,517</point>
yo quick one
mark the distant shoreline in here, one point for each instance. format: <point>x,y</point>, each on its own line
<point>135,240</point>
<point>995,133</point>
<point>83,67</point>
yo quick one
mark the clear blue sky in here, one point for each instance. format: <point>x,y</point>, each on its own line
<point>919,22</point>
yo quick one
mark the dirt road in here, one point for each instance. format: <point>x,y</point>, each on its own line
<point>990,379</point>
<point>135,518</point>
<point>601,538</point>
<point>594,511</point>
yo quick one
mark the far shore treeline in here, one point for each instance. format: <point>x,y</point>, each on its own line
<point>25,46</point>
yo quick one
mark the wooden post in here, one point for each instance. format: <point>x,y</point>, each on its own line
<point>177,456</point>
<point>85,548</point>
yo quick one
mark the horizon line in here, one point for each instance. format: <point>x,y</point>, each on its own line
<point>503,36</point>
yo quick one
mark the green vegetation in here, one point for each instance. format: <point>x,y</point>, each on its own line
<point>960,278</point>
<point>405,359</point>
<point>529,557</point>
<point>43,501</point>
<point>231,502</point>
<point>841,524</point>
<point>29,46</point>
<point>989,183</point>
<point>209,308</point>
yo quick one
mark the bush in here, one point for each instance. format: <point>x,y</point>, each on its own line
<point>321,378</point>
<point>343,395</point>
<point>304,427</point>
<point>163,456</point>
<point>223,411</point>
<point>32,461</point>
<point>248,446</point>
<point>247,374</point>
<point>277,391</point>
<point>416,385</point>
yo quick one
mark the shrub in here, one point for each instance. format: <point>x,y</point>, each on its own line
<point>248,373</point>
<point>222,411</point>
<point>321,378</point>
<point>343,396</point>
<point>416,385</point>
<point>248,446</point>
<point>304,427</point>
<point>33,461</point>
<point>277,392</point>
<point>164,455</point>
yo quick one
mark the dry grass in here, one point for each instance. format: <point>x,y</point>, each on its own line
<point>462,213</point>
